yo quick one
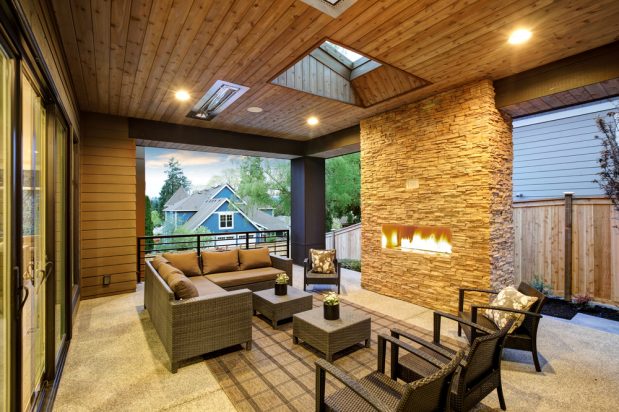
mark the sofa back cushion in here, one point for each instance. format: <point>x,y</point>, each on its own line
<point>158,261</point>
<point>187,262</point>
<point>216,262</point>
<point>254,258</point>
<point>166,270</point>
<point>182,286</point>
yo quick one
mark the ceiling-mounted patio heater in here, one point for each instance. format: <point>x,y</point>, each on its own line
<point>221,95</point>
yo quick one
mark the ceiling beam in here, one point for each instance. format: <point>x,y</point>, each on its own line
<point>335,144</point>
<point>593,66</point>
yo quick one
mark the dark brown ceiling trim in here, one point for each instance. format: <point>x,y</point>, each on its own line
<point>335,144</point>
<point>142,129</point>
<point>583,69</point>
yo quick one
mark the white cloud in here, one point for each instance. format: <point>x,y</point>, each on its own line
<point>185,159</point>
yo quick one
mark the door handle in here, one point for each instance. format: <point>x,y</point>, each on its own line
<point>49,266</point>
<point>20,293</point>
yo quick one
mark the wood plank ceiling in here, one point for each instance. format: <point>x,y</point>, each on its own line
<point>127,57</point>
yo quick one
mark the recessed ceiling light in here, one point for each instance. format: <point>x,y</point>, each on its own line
<point>182,95</point>
<point>312,120</point>
<point>254,109</point>
<point>519,36</point>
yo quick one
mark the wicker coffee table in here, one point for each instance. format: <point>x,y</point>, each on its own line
<point>276,308</point>
<point>331,336</point>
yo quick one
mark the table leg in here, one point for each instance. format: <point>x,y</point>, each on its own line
<point>367,343</point>
<point>295,340</point>
<point>274,324</point>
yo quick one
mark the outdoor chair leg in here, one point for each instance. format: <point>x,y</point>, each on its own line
<point>535,358</point>
<point>174,367</point>
<point>499,390</point>
<point>248,345</point>
<point>459,330</point>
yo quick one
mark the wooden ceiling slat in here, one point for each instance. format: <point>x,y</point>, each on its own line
<point>82,20</point>
<point>101,10</point>
<point>119,29</point>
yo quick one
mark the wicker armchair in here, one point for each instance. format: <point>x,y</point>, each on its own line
<point>377,391</point>
<point>479,373</point>
<point>524,337</point>
<point>313,278</point>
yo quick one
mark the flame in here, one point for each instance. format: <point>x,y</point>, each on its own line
<point>404,237</point>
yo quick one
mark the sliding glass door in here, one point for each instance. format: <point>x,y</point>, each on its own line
<point>35,267</point>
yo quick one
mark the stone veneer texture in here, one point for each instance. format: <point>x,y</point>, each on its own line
<point>459,148</point>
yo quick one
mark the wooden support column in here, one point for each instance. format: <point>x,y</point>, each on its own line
<point>307,206</point>
<point>568,246</point>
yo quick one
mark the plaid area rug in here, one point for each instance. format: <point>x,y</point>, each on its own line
<point>277,375</point>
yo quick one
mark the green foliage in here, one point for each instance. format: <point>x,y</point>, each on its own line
<point>264,183</point>
<point>538,283</point>
<point>174,180</point>
<point>282,279</point>
<point>331,299</point>
<point>343,189</point>
<point>154,217</point>
<point>278,179</point>
<point>351,264</point>
<point>148,223</point>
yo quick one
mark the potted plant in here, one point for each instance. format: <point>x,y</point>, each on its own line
<point>281,284</point>
<point>331,305</point>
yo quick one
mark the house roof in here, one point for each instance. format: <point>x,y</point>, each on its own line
<point>266,220</point>
<point>206,209</point>
<point>179,195</point>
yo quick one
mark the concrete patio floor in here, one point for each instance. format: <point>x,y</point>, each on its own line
<point>127,367</point>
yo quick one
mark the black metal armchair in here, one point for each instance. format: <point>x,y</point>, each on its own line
<point>377,391</point>
<point>480,370</point>
<point>313,278</point>
<point>524,337</point>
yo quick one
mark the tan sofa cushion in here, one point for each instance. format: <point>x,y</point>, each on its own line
<point>216,262</point>
<point>158,261</point>
<point>254,258</point>
<point>166,270</point>
<point>182,286</point>
<point>187,262</point>
<point>205,286</point>
<point>244,277</point>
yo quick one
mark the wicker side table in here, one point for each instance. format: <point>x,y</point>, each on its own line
<point>331,336</point>
<point>276,308</point>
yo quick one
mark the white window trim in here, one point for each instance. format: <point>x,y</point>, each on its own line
<point>226,214</point>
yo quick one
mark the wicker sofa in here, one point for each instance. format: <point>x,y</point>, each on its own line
<point>219,317</point>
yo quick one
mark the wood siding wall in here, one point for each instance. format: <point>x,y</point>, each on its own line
<point>311,76</point>
<point>557,156</point>
<point>108,206</point>
<point>346,241</point>
<point>540,245</point>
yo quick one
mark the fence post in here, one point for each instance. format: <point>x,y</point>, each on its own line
<point>138,269</point>
<point>567,294</point>
<point>247,240</point>
<point>198,248</point>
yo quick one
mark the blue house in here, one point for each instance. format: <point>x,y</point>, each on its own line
<point>219,210</point>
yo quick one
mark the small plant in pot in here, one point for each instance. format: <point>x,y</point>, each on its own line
<point>331,305</point>
<point>281,284</point>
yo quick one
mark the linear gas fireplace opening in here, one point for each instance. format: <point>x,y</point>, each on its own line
<point>411,238</point>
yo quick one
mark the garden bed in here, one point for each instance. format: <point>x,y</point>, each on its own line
<point>567,310</point>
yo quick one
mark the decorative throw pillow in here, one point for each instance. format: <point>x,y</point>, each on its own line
<point>182,287</point>
<point>510,298</point>
<point>166,270</point>
<point>254,258</point>
<point>187,262</point>
<point>158,261</point>
<point>217,262</point>
<point>322,260</point>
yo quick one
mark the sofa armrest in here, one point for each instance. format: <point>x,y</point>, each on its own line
<point>283,263</point>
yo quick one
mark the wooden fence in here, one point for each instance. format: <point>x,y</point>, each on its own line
<point>540,245</point>
<point>347,242</point>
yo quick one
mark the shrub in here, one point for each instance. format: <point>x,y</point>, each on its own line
<point>539,284</point>
<point>352,264</point>
<point>581,301</point>
<point>331,299</point>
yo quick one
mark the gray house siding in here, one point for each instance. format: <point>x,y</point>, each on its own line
<point>557,156</point>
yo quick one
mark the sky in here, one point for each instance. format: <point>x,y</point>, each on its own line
<point>199,167</point>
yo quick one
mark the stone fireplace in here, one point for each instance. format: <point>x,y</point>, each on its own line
<point>436,198</point>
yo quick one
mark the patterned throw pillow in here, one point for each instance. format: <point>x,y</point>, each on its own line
<point>322,261</point>
<point>510,298</point>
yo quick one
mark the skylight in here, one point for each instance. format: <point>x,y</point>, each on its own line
<point>350,56</point>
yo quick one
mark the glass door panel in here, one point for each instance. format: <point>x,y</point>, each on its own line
<point>6,79</point>
<point>33,243</point>
<point>60,232</point>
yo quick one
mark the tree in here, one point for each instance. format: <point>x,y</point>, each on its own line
<point>148,224</point>
<point>278,174</point>
<point>253,187</point>
<point>174,180</point>
<point>154,217</point>
<point>609,157</point>
<point>343,189</point>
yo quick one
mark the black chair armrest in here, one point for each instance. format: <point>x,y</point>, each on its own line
<point>461,295</point>
<point>436,348</point>
<point>437,325</point>
<point>324,366</point>
<point>399,344</point>
<point>475,308</point>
